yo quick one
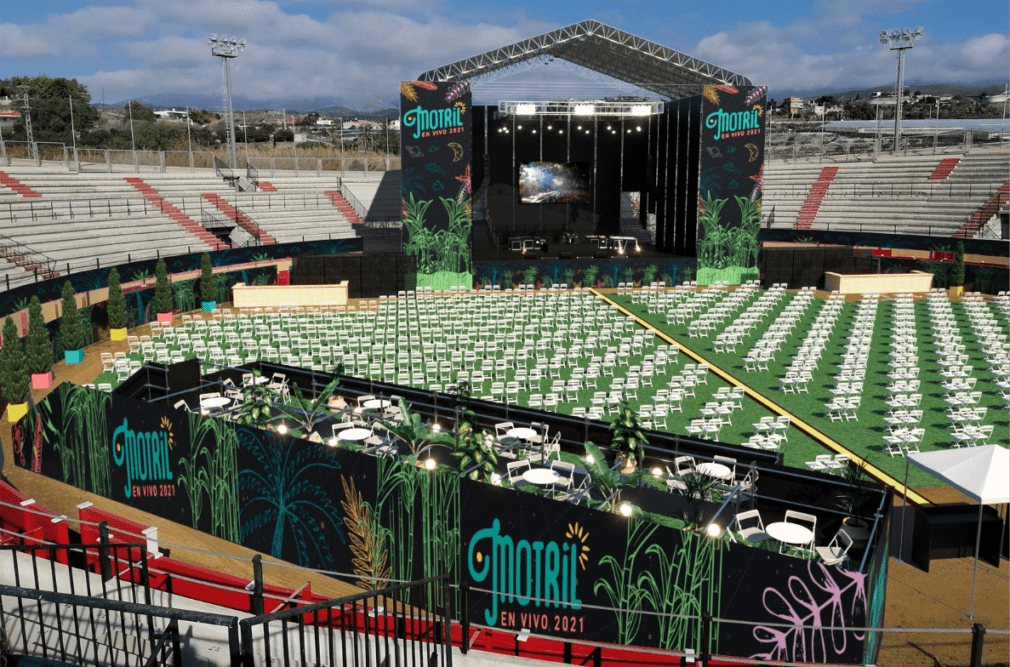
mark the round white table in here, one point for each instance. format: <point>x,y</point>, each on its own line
<point>376,404</point>
<point>354,434</point>
<point>716,470</point>
<point>541,476</point>
<point>521,433</point>
<point>790,533</point>
<point>216,402</point>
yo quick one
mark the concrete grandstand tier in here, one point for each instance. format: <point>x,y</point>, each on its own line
<point>299,210</point>
<point>894,194</point>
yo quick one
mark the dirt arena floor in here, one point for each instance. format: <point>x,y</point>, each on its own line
<point>915,599</point>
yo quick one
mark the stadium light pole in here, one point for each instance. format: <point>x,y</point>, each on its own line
<point>227,48</point>
<point>900,41</point>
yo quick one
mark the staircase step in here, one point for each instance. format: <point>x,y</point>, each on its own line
<point>266,186</point>
<point>812,204</point>
<point>169,209</point>
<point>18,187</point>
<point>944,169</point>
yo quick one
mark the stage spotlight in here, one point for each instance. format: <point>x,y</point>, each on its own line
<point>587,131</point>
<point>584,109</point>
<point>629,130</point>
<point>579,127</point>
<point>608,127</point>
<point>561,131</point>
<point>638,127</point>
<point>640,111</point>
<point>550,127</point>
<point>526,109</point>
<point>534,131</point>
<point>519,127</point>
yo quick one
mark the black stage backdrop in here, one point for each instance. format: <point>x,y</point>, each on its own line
<point>729,189</point>
<point>436,157</point>
<point>377,518</point>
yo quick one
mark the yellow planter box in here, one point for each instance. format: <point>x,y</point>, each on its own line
<point>117,334</point>
<point>15,411</point>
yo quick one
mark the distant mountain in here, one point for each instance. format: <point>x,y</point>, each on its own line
<point>347,112</point>
<point>351,107</point>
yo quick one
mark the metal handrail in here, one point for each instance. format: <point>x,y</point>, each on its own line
<point>29,253</point>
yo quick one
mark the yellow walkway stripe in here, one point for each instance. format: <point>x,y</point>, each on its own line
<point>812,432</point>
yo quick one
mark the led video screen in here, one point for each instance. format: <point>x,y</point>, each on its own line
<point>554,183</point>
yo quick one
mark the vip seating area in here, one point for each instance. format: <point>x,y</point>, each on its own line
<point>682,482</point>
<point>895,192</point>
<point>78,219</point>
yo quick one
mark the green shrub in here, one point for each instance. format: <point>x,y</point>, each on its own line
<point>40,349</point>
<point>162,290</point>
<point>208,284</point>
<point>13,365</point>
<point>70,321</point>
<point>117,304</point>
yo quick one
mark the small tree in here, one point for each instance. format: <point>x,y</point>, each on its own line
<point>13,365</point>
<point>162,290</point>
<point>117,304</point>
<point>70,322</point>
<point>957,271</point>
<point>40,350</point>
<point>208,283</point>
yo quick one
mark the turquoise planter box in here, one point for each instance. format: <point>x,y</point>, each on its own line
<point>209,306</point>
<point>73,356</point>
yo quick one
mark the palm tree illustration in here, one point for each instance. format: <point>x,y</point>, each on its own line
<point>286,492</point>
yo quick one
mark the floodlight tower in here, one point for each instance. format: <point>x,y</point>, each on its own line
<point>32,154</point>
<point>227,48</point>
<point>899,40</point>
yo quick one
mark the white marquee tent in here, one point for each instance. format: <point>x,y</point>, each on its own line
<point>981,473</point>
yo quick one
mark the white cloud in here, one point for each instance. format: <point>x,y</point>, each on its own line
<point>26,42</point>
<point>782,58</point>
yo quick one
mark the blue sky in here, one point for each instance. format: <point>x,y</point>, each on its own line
<point>358,51</point>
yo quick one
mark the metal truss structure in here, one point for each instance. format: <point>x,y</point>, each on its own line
<point>580,108</point>
<point>599,48</point>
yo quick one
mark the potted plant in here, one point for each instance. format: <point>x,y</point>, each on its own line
<point>116,308</point>
<point>162,293</point>
<point>957,271</point>
<point>628,438</point>
<point>14,372</point>
<point>40,350</point>
<point>208,284</point>
<point>851,502</point>
<point>474,454</point>
<point>694,488</point>
<point>71,334</point>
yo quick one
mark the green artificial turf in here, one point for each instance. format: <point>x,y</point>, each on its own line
<point>865,436</point>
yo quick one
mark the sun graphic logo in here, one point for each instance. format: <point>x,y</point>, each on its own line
<point>580,535</point>
<point>166,426</point>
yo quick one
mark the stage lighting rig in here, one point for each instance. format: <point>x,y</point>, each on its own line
<point>899,40</point>
<point>580,108</point>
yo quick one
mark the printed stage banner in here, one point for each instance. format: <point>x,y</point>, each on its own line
<point>435,140</point>
<point>730,183</point>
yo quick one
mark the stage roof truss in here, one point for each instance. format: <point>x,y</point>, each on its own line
<point>601,48</point>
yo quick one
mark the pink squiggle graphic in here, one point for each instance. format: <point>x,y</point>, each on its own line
<point>810,606</point>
